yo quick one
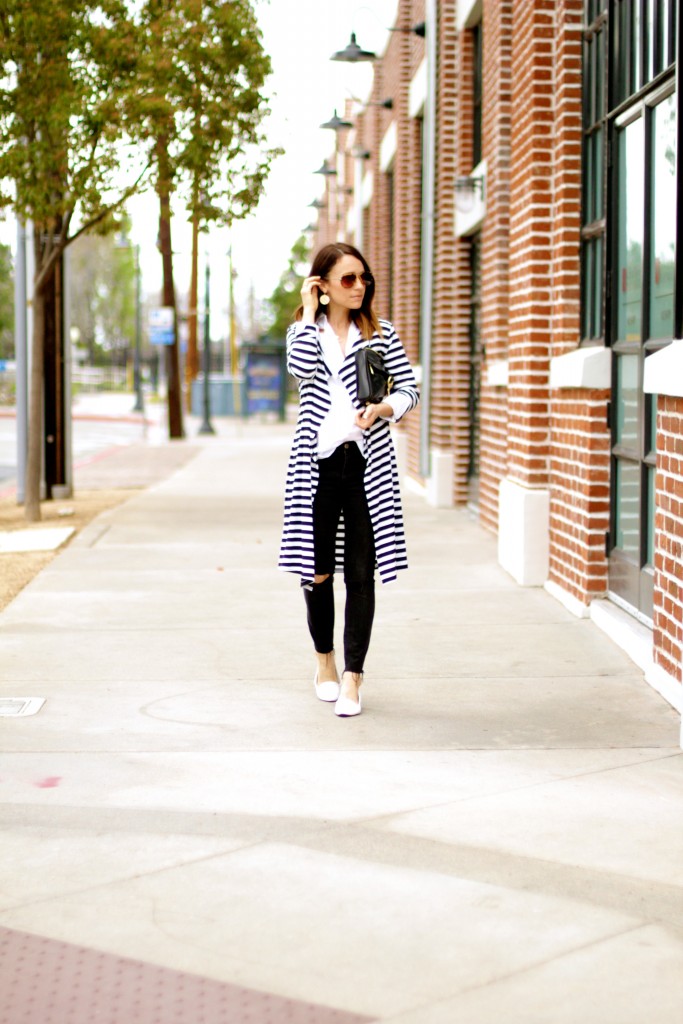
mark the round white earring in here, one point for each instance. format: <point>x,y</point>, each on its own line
<point>324,299</point>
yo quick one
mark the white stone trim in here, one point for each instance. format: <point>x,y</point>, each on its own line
<point>524,532</point>
<point>583,368</point>
<point>498,373</point>
<point>417,96</point>
<point>571,603</point>
<point>470,13</point>
<point>664,371</point>
<point>368,188</point>
<point>439,484</point>
<point>633,637</point>
<point>351,217</point>
<point>387,149</point>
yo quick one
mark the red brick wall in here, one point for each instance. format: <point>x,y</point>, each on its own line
<point>449,420</point>
<point>530,241</point>
<point>668,594</point>
<point>566,150</point>
<point>393,73</point>
<point>580,441</point>
<point>495,241</point>
<point>579,502</point>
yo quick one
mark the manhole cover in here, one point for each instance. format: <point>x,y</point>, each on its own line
<point>13,707</point>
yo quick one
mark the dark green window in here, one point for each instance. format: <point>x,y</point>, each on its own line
<point>644,44</point>
<point>477,90</point>
<point>594,149</point>
<point>632,227</point>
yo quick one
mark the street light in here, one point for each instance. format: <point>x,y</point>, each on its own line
<point>325,169</point>
<point>137,359</point>
<point>336,123</point>
<point>467,189</point>
<point>206,427</point>
<point>419,30</point>
<point>352,53</point>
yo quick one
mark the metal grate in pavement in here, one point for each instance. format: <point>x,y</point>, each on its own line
<point>14,707</point>
<point>49,982</point>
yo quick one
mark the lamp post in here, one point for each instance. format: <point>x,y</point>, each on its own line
<point>352,53</point>
<point>206,427</point>
<point>137,363</point>
<point>336,123</point>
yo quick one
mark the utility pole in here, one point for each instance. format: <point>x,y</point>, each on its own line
<point>206,427</point>
<point>137,365</point>
<point>192,358</point>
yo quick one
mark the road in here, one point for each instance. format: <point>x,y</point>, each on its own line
<point>99,422</point>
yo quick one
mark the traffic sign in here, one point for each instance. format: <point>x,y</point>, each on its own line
<point>161,330</point>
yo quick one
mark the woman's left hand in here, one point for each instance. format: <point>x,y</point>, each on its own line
<point>366,417</point>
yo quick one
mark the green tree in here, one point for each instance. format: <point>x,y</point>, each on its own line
<point>68,73</point>
<point>6,303</point>
<point>287,296</point>
<point>201,75</point>
<point>102,289</point>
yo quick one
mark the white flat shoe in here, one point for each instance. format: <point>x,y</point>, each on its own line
<point>328,691</point>
<point>347,708</point>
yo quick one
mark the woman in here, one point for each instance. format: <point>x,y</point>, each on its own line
<point>342,503</point>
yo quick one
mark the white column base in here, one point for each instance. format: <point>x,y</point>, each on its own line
<point>439,484</point>
<point>571,603</point>
<point>523,533</point>
<point>400,439</point>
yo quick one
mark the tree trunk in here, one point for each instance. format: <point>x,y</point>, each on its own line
<point>34,455</point>
<point>175,410</point>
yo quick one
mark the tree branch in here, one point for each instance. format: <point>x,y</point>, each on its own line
<point>57,247</point>
<point>110,209</point>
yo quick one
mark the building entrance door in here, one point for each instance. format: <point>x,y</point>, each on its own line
<point>642,321</point>
<point>476,355</point>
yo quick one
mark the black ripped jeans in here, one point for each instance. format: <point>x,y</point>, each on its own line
<point>341,489</point>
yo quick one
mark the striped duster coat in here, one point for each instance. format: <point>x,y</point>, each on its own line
<point>305,362</point>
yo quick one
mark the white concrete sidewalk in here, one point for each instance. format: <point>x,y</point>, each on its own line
<point>497,837</point>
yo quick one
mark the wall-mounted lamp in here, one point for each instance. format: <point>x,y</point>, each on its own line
<point>325,169</point>
<point>419,30</point>
<point>466,190</point>
<point>344,190</point>
<point>352,53</point>
<point>387,104</point>
<point>336,123</point>
<point>318,204</point>
<point>360,153</point>
<point>309,228</point>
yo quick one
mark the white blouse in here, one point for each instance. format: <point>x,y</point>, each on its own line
<point>339,425</point>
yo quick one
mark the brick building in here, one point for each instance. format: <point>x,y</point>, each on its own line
<point>513,180</point>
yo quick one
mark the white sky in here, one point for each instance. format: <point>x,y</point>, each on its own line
<point>306,87</point>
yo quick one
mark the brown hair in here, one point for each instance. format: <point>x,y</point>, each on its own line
<point>325,259</point>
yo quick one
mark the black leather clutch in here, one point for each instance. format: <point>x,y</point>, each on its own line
<point>373,381</point>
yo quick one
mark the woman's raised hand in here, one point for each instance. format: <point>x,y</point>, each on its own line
<point>310,291</point>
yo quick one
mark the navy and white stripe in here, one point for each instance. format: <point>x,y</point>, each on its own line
<point>305,362</point>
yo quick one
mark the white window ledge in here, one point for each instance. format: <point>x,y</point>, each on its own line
<point>470,13</point>
<point>417,94</point>
<point>497,373</point>
<point>664,371</point>
<point>387,149</point>
<point>583,368</point>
